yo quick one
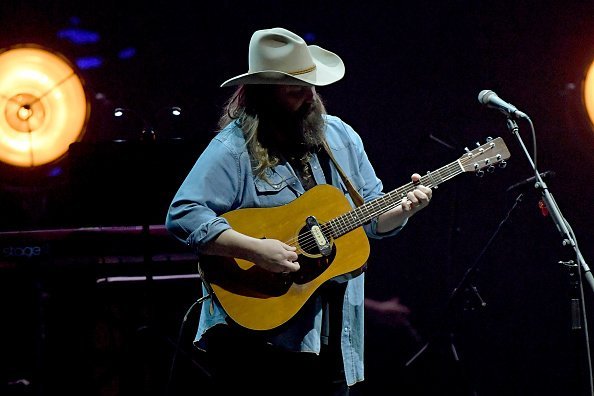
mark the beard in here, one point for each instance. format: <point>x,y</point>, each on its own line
<point>293,133</point>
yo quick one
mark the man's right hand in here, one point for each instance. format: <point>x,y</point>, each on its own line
<point>275,256</point>
<point>269,254</point>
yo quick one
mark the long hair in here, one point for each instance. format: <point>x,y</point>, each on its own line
<point>249,107</point>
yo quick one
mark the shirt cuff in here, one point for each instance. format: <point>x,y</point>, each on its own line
<point>206,233</point>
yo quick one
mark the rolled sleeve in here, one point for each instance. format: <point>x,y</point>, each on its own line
<point>210,189</point>
<point>373,233</point>
<point>207,232</point>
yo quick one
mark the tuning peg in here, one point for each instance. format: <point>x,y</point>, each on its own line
<point>502,164</point>
<point>480,173</point>
<point>491,169</point>
<point>489,139</point>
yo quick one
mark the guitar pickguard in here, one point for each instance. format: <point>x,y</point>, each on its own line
<point>312,267</point>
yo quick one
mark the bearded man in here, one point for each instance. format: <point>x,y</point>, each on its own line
<point>276,142</point>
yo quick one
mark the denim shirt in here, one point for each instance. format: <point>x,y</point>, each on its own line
<point>222,180</point>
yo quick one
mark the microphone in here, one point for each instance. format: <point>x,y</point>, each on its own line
<point>490,99</point>
<point>530,181</point>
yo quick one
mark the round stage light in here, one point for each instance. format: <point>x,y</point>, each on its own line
<point>588,93</point>
<point>43,106</point>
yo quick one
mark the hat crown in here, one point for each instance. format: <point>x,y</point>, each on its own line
<point>280,50</point>
<point>279,56</point>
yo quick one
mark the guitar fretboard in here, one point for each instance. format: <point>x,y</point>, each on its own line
<point>364,213</point>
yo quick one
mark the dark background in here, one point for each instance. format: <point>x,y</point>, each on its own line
<point>414,72</point>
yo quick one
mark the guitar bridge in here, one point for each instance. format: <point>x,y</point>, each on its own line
<point>322,243</point>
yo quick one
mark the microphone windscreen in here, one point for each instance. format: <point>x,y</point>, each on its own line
<point>484,96</point>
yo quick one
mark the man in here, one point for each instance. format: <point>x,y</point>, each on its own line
<point>270,151</point>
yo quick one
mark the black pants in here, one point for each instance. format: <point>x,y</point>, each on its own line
<point>241,363</point>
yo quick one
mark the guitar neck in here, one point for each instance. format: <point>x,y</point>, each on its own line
<point>364,213</point>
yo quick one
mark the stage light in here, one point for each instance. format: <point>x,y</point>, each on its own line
<point>588,93</point>
<point>43,106</point>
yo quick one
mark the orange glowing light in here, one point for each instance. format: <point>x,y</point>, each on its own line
<point>588,91</point>
<point>43,106</point>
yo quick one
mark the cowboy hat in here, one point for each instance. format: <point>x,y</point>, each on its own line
<point>278,56</point>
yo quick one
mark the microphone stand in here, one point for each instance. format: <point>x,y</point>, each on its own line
<point>466,286</point>
<point>568,239</point>
<point>547,197</point>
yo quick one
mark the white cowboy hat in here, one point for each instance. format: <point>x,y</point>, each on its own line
<point>278,56</point>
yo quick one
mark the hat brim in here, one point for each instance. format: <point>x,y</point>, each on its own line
<point>329,69</point>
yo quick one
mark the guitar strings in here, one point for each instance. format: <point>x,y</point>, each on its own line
<point>308,241</point>
<point>349,225</point>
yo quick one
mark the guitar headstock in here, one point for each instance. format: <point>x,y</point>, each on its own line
<point>492,153</point>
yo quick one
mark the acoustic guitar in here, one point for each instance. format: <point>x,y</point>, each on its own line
<point>329,238</point>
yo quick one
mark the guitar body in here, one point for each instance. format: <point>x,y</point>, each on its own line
<point>260,300</point>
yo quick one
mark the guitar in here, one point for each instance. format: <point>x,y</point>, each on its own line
<point>329,238</point>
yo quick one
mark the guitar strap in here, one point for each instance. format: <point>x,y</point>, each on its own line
<point>357,198</point>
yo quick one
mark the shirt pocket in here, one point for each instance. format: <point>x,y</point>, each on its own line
<point>274,191</point>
